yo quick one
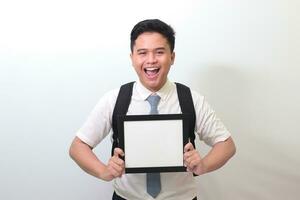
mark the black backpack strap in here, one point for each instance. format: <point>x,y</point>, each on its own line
<point>121,108</point>
<point>187,107</point>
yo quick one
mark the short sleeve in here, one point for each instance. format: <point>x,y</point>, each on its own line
<point>208,126</point>
<point>98,124</point>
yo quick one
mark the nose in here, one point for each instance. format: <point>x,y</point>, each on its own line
<point>151,58</point>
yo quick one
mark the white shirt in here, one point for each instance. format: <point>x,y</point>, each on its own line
<point>174,185</point>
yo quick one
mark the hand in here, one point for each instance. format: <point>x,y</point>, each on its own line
<point>116,166</point>
<point>193,160</point>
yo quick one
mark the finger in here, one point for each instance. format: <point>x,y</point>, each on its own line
<point>189,169</point>
<point>117,160</point>
<point>122,172</point>
<point>193,159</point>
<point>188,147</point>
<point>194,163</point>
<point>112,171</point>
<point>115,169</point>
<point>115,173</point>
<point>188,154</point>
<point>118,152</point>
<point>193,155</point>
<point>188,161</point>
<point>114,165</point>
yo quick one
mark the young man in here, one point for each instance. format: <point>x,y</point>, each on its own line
<point>152,45</point>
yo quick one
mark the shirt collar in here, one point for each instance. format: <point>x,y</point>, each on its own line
<point>163,92</point>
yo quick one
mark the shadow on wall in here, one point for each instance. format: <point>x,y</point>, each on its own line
<point>246,100</point>
<point>223,87</point>
<point>226,89</point>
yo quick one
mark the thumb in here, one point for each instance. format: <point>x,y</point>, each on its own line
<point>188,147</point>
<point>118,152</point>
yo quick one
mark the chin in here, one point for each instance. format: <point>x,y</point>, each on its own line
<point>153,85</point>
<point>154,88</point>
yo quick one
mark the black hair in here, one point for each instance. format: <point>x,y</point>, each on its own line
<point>153,25</point>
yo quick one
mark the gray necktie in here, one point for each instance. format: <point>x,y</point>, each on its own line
<point>153,179</point>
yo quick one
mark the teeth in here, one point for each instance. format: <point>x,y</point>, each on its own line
<point>151,68</point>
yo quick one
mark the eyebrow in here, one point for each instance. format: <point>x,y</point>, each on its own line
<point>143,49</point>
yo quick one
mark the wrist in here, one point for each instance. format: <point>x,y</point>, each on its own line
<point>103,174</point>
<point>201,168</point>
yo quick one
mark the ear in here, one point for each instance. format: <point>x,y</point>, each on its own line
<point>172,58</point>
<point>131,57</point>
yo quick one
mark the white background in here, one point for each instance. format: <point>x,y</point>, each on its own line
<point>57,58</point>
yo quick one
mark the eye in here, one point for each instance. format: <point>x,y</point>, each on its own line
<point>141,53</point>
<point>160,52</point>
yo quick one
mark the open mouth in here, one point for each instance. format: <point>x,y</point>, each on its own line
<point>151,71</point>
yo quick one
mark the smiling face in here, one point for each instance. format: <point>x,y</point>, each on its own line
<point>152,58</point>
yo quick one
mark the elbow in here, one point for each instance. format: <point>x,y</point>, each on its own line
<point>77,147</point>
<point>72,149</point>
<point>233,148</point>
<point>229,148</point>
<point>233,151</point>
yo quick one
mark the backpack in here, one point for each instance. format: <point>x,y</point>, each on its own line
<point>124,98</point>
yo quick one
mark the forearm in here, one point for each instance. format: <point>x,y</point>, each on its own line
<point>218,155</point>
<point>83,155</point>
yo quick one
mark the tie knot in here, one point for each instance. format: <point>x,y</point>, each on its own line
<point>153,101</point>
